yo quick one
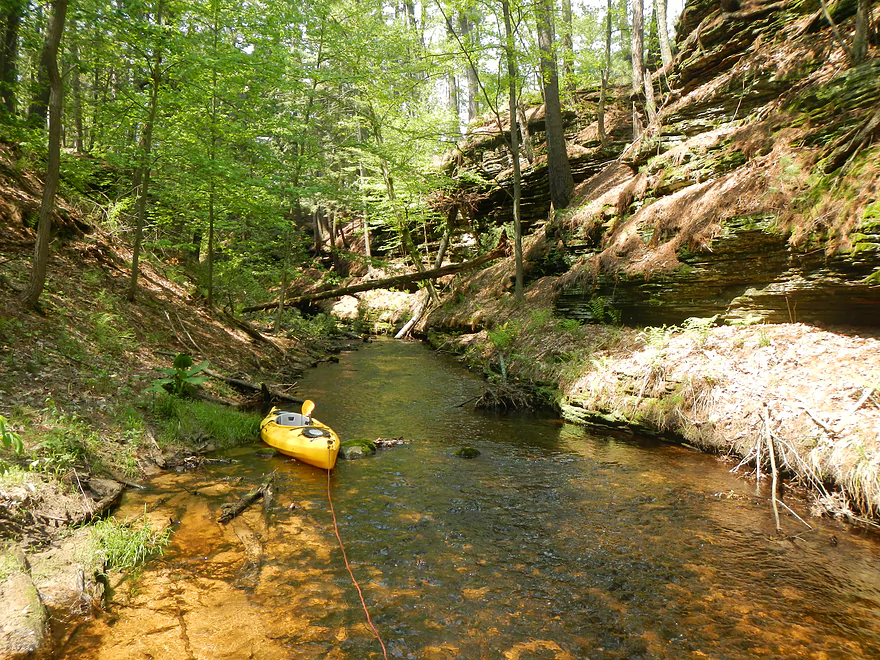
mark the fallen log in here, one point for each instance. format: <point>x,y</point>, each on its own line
<point>230,511</point>
<point>502,250</point>
<point>261,389</point>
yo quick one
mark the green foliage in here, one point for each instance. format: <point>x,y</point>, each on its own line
<point>186,421</point>
<point>698,327</point>
<point>319,326</point>
<point>9,439</point>
<point>182,379</point>
<point>123,546</point>
<point>658,337</point>
<point>503,335</point>
<point>603,311</point>
<point>65,440</point>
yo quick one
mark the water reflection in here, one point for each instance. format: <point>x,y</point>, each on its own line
<point>554,543</point>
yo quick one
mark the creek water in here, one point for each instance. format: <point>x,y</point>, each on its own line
<point>556,542</point>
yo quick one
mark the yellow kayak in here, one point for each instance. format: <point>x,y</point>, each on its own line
<point>300,436</point>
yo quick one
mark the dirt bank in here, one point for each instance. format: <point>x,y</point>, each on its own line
<point>726,389</point>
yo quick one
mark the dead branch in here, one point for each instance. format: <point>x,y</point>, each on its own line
<point>772,453</point>
<point>245,386</point>
<point>189,336</point>
<point>818,421</point>
<point>502,250</point>
<point>176,334</point>
<point>230,511</point>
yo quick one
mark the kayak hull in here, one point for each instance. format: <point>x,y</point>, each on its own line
<point>313,442</point>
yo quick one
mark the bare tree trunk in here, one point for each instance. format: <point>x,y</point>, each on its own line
<point>9,54</point>
<point>860,38</point>
<point>76,88</point>
<point>638,67</point>
<point>466,27</point>
<point>363,178</point>
<point>514,148</point>
<point>37,280</point>
<point>558,167</point>
<point>606,71</point>
<point>528,146</point>
<point>567,48</point>
<point>663,32</point>
<point>144,166</point>
<point>282,293</point>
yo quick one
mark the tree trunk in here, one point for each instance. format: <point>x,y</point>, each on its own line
<point>37,280</point>
<point>567,48</point>
<point>466,28</point>
<point>860,38</point>
<point>638,68</point>
<point>510,55</point>
<point>283,291</point>
<point>558,167</point>
<point>9,54</point>
<point>76,88</point>
<point>144,166</point>
<point>663,33</point>
<point>606,70</point>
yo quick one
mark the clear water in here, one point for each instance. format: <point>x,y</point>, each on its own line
<point>555,542</point>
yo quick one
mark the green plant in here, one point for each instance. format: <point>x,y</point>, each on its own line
<point>181,379</point>
<point>698,327</point>
<point>9,438</point>
<point>126,545</point>
<point>763,338</point>
<point>603,311</point>
<point>502,338</point>
<point>182,420</point>
<point>658,337</point>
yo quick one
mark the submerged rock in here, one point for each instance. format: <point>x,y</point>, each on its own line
<point>356,450</point>
<point>467,452</point>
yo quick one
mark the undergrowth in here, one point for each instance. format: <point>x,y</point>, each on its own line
<point>186,421</point>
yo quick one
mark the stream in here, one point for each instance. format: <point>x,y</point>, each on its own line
<point>556,542</point>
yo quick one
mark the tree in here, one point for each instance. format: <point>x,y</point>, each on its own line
<point>10,20</point>
<point>142,174</point>
<point>513,145</point>
<point>860,37</point>
<point>663,32</point>
<point>558,167</point>
<point>37,280</point>
<point>567,47</point>
<point>606,72</point>
<point>638,68</point>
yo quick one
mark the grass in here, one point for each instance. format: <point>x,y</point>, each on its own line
<point>187,421</point>
<point>123,546</point>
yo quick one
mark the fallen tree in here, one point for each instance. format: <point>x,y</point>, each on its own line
<point>502,250</point>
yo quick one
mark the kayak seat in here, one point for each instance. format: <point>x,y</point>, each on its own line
<point>292,419</point>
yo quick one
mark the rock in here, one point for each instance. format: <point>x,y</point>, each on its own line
<point>353,452</point>
<point>23,629</point>
<point>467,452</point>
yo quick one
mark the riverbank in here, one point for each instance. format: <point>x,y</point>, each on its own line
<point>75,392</point>
<point>726,389</point>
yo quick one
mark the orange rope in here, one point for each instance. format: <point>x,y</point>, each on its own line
<point>348,567</point>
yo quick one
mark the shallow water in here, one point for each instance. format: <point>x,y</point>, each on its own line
<point>555,542</point>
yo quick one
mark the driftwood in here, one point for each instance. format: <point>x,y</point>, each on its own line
<point>502,250</point>
<point>230,511</point>
<point>261,389</point>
